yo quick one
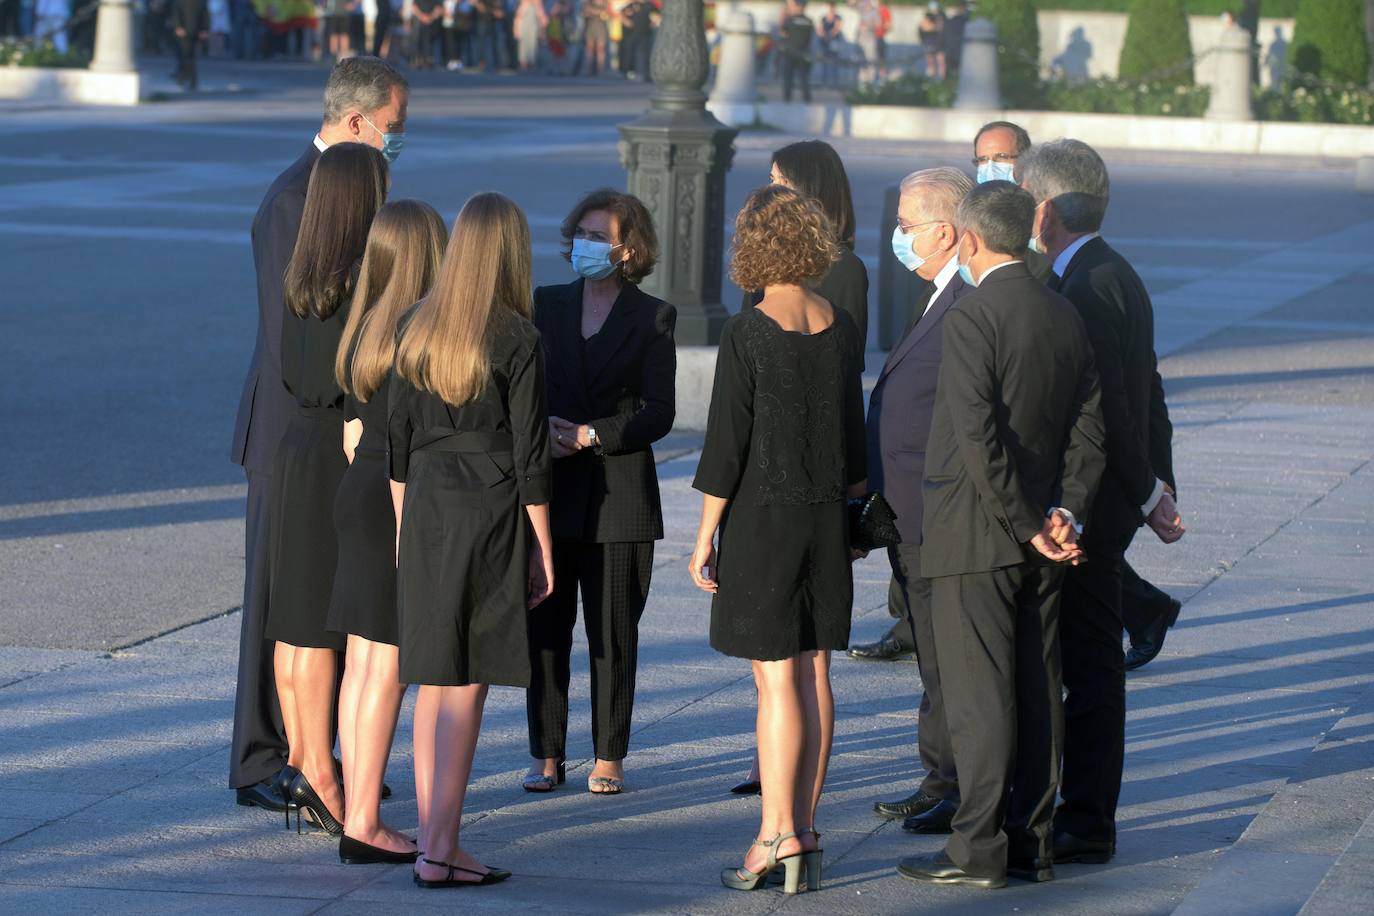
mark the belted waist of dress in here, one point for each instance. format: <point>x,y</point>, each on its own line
<point>442,439</point>
<point>320,412</point>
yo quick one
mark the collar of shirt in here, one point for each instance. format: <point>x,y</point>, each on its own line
<point>1061,263</point>
<point>320,144</point>
<point>988,273</point>
<point>942,280</point>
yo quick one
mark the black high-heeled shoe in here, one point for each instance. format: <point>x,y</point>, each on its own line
<point>308,800</point>
<point>281,782</point>
<point>356,852</point>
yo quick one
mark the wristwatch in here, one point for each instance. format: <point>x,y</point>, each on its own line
<point>591,435</point>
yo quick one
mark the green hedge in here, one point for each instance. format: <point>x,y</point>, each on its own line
<point>1157,46</point>
<point>1329,41</point>
<point>25,53</point>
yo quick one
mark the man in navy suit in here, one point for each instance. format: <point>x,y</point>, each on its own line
<point>364,102</point>
<point>926,242</point>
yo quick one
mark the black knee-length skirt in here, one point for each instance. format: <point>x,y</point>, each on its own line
<point>309,465</point>
<point>364,600</point>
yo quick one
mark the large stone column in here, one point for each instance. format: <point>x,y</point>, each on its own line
<point>1230,99</point>
<point>978,88</point>
<point>114,38</point>
<point>676,156</point>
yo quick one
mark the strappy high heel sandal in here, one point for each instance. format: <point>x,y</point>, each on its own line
<point>543,782</point>
<point>490,876</point>
<point>811,862</point>
<point>735,878</point>
<point>308,801</point>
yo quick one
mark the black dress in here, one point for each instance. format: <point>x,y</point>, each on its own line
<point>784,440</point>
<point>845,286</point>
<point>364,600</point>
<point>306,473</point>
<point>464,561</point>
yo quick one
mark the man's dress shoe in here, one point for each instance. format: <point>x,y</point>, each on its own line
<point>915,803</point>
<point>1030,869</point>
<point>1070,848</point>
<point>261,795</point>
<point>938,869</point>
<point>936,820</point>
<point>1152,640</point>
<point>884,650</point>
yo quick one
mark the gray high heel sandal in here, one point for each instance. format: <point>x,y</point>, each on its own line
<point>811,863</point>
<point>734,878</point>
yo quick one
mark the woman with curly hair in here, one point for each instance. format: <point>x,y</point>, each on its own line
<point>784,451</point>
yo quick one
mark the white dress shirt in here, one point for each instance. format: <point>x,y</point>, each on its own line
<point>320,144</point>
<point>941,281</point>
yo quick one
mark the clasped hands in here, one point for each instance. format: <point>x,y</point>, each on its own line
<point>567,438</point>
<point>1057,540</point>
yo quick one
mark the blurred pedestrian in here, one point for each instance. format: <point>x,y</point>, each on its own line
<point>50,22</point>
<point>776,469</point>
<point>798,31</point>
<point>404,247</point>
<point>870,24</point>
<point>931,28</point>
<point>530,23</point>
<point>952,36</point>
<point>427,16</point>
<point>830,32</point>
<point>612,363</point>
<point>595,34</point>
<point>468,425</point>
<point>191,25</point>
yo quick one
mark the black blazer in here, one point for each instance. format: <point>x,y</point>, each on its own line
<point>1117,313</point>
<point>621,381</point>
<point>1017,426</point>
<point>266,405</point>
<point>845,286</point>
<point>899,413</point>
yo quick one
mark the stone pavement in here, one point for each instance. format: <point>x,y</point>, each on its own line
<point>1250,760</point>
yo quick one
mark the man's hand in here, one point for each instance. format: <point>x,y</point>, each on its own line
<point>1062,530</point>
<point>1165,520</point>
<point>1049,547</point>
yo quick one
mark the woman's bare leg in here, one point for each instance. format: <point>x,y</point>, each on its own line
<point>818,713</point>
<point>283,655</point>
<point>781,741</point>
<point>312,677</point>
<point>378,705</point>
<point>457,726</point>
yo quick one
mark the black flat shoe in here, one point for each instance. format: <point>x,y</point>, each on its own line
<point>938,869</point>
<point>260,795</point>
<point>1070,848</point>
<point>916,803</point>
<point>1030,869</point>
<point>748,787</point>
<point>884,650</point>
<point>338,774</point>
<point>356,852</point>
<point>936,820</point>
<point>309,802</point>
<point>1152,640</point>
<point>492,876</point>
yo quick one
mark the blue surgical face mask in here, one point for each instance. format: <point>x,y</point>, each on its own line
<point>964,273</point>
<point>391,141</point>
<point>1034,245</point>
<point>996,171</point>
<point>901,247</point>
<point>592,259</point>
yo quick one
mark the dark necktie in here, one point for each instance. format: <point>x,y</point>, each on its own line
<point>1055,282</point>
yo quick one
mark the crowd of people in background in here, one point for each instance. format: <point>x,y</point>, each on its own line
<point>844,43</point>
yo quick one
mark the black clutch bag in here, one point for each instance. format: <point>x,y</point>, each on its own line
<point>872,523</point>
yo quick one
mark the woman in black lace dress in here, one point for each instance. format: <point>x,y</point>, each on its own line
<point>784,449</point>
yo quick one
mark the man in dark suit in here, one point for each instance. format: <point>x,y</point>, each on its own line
<point>1069,183</point>
<point>1013,461</point>
<point>899,414</point>
<point>191,25</point>
<point>364,102</point>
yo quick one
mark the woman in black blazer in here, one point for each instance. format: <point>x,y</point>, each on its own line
<point>611,369</point>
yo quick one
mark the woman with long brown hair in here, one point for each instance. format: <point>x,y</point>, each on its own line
<point>402,259</point>
<point>347,188</point>
<point>470,484</point>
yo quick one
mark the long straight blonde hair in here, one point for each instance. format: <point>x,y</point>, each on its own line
<point>444,348</point>
<point>403,254</point>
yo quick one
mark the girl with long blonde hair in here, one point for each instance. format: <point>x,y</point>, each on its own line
<point>402,259</point>
<point>470,484</point>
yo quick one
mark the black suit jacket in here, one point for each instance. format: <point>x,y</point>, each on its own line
<point>900,410</point>
<point>1017,426</point>
<point>266,405</point>
<point>622,382</point>
<point>1117,313</point>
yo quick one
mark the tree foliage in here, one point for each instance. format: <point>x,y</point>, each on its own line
<point>1157,48</point>
<point>1329,41</point>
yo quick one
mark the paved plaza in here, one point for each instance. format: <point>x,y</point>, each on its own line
<point>129,312</point>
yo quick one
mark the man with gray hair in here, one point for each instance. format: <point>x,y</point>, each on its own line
<point>1069,183</point>
<point>364,102</point>
<point>899,413</point>
<point>1014,457</point>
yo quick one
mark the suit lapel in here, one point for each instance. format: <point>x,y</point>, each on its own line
<point>923,325</point>
<point>563,349</point>
<point>603,345</point>
<point>1080,257</point>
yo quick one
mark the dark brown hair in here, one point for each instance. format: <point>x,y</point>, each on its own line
<point>781,236</point>
<point>814,168</point>
<point>347,188</point>
<point>634,222</point>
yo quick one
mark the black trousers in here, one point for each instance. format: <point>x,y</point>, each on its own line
<point>932,729</point>
<point>996,635</point>
<point>798,71</point>
<point>1141,603</point>
<point>614,581</point>
<point>1095,699</point>
<point>186,60</point>
<point>258,748</point>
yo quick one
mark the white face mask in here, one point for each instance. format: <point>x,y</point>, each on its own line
<point>996,171</point>
<point>592,259</point>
